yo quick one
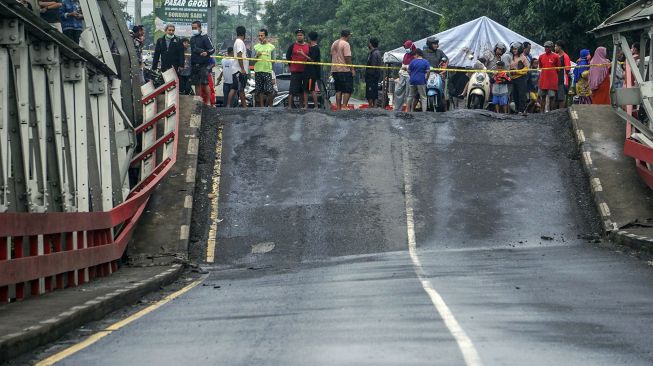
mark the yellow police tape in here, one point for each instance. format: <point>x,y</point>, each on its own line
<point>397,67</point>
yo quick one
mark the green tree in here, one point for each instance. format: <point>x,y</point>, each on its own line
<point>148,24</point>
<point>540,20</point>
<point>285,16</point>
<point>123,7</point>
<point>252,8</point>
<point>393,21</point>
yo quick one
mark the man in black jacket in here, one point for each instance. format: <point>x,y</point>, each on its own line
<point>373,74</point>
<point>201,50</point>
<point>170,50</point>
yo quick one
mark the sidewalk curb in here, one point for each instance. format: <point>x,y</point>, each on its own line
<point>611,229</point>
<point>162,240</point>
<point>12,345</point>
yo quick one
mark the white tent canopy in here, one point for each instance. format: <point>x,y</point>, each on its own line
<point>477,37</point>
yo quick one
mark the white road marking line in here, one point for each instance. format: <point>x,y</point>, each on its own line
<point>470,355</point>
<point>190,175</point>
<point>581,136</point>
<point>184,232</point>
<point>574,115</point>
<point>193,146</point>
<point>188,201</point>
<point>596,185</point>
<point>195,120</point>
<point>588,159</point>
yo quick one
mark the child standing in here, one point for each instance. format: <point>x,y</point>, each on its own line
<point>185,71</point>
<point>533,82</point>
<point>500,90</point>
<point>583,90</point>
<point>228,70</point>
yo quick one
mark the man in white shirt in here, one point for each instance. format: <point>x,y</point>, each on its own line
<point>242,66</point>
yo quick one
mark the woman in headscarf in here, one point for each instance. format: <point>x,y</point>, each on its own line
<point>600,77</point>
<point>582,64</point>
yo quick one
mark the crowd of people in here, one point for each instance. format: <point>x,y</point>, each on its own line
<point>520,83</point>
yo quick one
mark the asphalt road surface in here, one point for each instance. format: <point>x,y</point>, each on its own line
<point>374,238</point>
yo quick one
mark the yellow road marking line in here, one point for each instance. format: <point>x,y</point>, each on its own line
<point>103,333</point>
<point>215,196</point>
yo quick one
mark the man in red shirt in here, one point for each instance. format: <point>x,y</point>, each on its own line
<point>563,74</point>
<point>548,77</point>
<point>298,51</point>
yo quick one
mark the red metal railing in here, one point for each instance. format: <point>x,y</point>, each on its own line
<point>41,252</point>
<point>642,153</point>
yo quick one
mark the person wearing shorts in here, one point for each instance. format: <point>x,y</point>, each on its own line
<point>343,83</point>
<point>298,51</point>
<point>548,82</point>
<point>201,50</point>
<point>264,88</point>
<point>500,90</point>
<point>373,75</point>
<point>242,66</point>
<point>313,72</point>
<point>343,76</point>
<point>200,78</point>
<point>263,70</point>
<point>239,82</point>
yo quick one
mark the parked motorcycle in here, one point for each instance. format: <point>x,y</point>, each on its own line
<point>478,90</point>
<point>435,93</point>
<point>435,88</point>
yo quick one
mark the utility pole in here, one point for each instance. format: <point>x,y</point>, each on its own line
<point>421,7</point>
<point>137,11</point>
<point>209,20</point>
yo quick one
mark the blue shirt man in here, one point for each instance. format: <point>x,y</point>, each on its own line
<point>418,69</point>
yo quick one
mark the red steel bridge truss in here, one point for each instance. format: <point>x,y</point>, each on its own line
<point>81,148</point>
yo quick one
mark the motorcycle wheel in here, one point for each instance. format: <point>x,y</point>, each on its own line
<point>441,106</point>
<point>432,103</point>
<point>476,102</point>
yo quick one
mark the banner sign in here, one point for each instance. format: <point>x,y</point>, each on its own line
<point>181,13</point>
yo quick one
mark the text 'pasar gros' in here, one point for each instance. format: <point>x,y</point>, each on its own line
<point>191,3</point>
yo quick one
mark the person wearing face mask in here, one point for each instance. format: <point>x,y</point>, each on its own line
<point>402,83</point>
<point>169,50</point>
<point>548,76</point>
<point>201,50</point>
<point>409,48</point>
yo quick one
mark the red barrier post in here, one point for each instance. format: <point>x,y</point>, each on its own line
<point>4,249</point>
